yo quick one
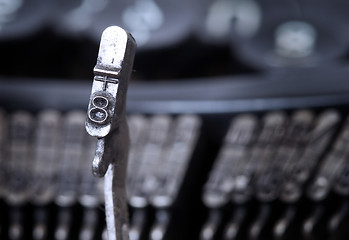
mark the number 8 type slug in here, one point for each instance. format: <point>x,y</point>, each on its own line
<point>106,120</point>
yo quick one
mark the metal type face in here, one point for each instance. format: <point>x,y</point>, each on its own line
<point>106,120</point>
<point>114,63</point>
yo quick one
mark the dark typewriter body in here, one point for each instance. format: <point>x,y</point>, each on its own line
<point>238,116</point>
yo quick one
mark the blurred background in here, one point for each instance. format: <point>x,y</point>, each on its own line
<point>243,104</point>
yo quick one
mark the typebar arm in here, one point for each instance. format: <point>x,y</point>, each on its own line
<point>106,120</point>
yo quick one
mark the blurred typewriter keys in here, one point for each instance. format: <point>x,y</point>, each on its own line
<point>172,170</point>
<point>262,152</point>
<point>221,183</point>
<point>45,155</point>
<point>175,160</point>
<point>49,183</point>
<point>164,151</point>
<point>317,142</point>
<point>273,176</point>
<point>69,165</point>
<point>21,126</point>
<point>232,155</point>
<point>44,172</point>
<point>143,180</point>
<point>269,181</point>
<point>322,183</point>
<point>90,191</point>
<point>138,136</point>
<point>17,194</point>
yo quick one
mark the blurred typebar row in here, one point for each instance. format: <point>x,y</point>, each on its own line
<point>275,175</point>
<point>47,187</point>
<point>274,178</point>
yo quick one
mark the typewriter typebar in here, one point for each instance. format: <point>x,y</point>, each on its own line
<point>234,152</point>
<point>106,120</point>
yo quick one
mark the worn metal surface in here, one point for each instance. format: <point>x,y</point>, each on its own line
<point>106,120</point>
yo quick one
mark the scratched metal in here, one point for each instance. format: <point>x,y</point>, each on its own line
<point>106,120</point>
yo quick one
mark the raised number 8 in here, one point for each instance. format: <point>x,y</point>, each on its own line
<point>98,114</point>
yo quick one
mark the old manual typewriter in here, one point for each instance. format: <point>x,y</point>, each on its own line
<point>237,110</point>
